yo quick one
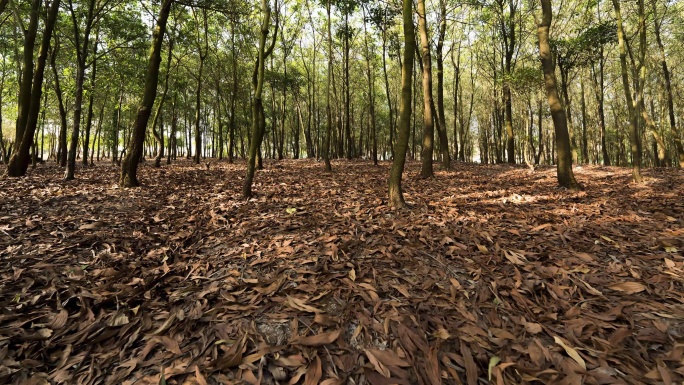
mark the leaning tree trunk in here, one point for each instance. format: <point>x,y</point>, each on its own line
<point>258,116</point>
<point>566,178</point>
<point>396,194</point>
<point>26,81</point>
<point>129,166</point>
<point>426,170</point>
<point>443,139</point>
<point>19,162</point>
<point>634,137</point>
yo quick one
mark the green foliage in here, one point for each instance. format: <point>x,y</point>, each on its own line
<point>586,47</point>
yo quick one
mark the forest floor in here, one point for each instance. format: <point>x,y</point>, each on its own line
<point>495,275</point>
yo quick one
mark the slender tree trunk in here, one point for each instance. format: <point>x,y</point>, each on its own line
<point>233,96</point>
<point>679,147</point>
<point>426,170</point>
<point>566,178</point>
<point>258,116</point>
<point>203,50</point>
<point>598,80</point>
<point>457,79</point>
<point>159,137</point>
<point>19,162</point>
<point>387,92</point>
<point>635,138</point>
<point>537,157</point>
<point>62,146</point>
<point>328,107</point>
<point>443,139</point>
<point>129,166</point>
<point>81,60</point>
<point>26,78</point>
<point>371,93</point>
<point>396,195</point>
<point>91,97</point>
<point>585,144</point>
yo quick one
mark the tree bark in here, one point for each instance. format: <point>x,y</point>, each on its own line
<point>371,94</point>
<point>564,172</point>
<point>328,107</point>
<point>258,116</point>
<point>159,137</point>
<point>396,194</point>
<point>20,159</point>
<point>129,166</point>
<point>203,51</point>
<point>668,90</point>
<point>443,139</point>
<point>26,80</point>
<point>426,154</point>
<point>634,137</point>
<point>82,47</point>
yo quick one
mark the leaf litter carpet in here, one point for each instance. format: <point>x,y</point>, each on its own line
<point>494,276</point>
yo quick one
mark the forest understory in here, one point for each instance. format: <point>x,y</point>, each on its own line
<point>495,275</point>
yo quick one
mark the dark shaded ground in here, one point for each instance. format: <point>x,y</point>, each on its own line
<point>494,274</point>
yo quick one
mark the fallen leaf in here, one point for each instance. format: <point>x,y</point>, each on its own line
<point>628,287</point>
<point>317,340</point>
<point>571,352</point>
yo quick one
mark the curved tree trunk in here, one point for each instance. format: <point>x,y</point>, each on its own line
<point>258,116</point>
<point>566,178</point>
<point>129,166</point>
<point>396,194</point>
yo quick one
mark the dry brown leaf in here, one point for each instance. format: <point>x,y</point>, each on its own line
<point>533,328</point>
<point>300,305</point>
<point>571,352</point>
<point>317,340</point>
<point>388,357</point>
<point>314,372</point>
<point>628,287</point>
<point>379,367</point>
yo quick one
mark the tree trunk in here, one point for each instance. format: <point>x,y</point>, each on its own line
<point>566,178</point>
<point>598,80</point>
<point>19,162</point>
<point>26,79</point>
<point>81,60</point>
<point>634,137</point>
<point>159,137</point>
<point>443,139</point>
<point>668,90</point>
<point>585,144</point>
<point>371,93</point>
<point>387,92</point>
<point>426,154</point>
<point>62,146</point>
<point>129,166</point>
<point>258,116</point>
<point>396,194</point>
<point>328,107</point>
